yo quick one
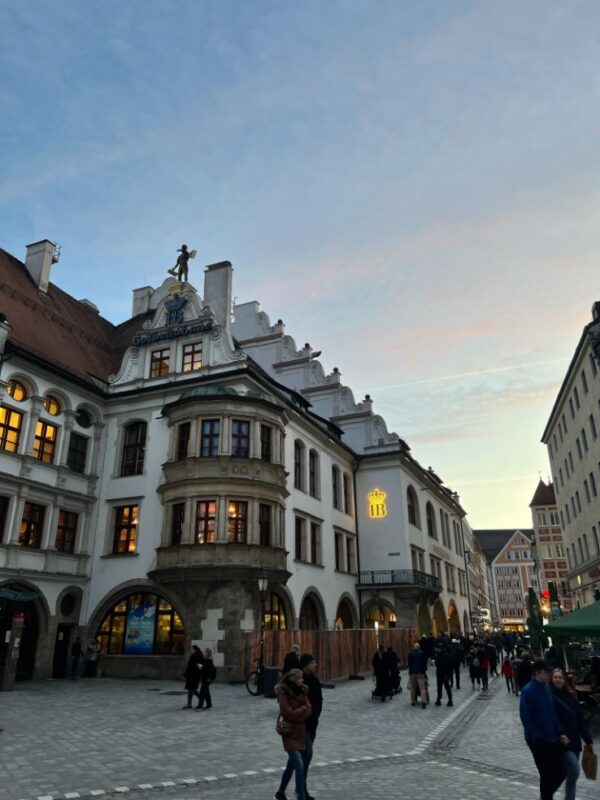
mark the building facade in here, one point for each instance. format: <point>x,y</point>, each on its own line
<point>547,544</point>
<point>156,473</point>
<point>571,436</point>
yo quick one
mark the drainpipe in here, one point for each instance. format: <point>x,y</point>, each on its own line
<point>358,589</point>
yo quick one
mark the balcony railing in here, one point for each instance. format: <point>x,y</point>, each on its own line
<point>400,577</point>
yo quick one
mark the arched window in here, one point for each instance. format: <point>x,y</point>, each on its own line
<point>17,391</point>
<point>314,478</point>
<point>274,616</point>
<point>335,487</point>
<point>134,449</point>
<point>347,484</point>
<point>344,616</point>
<point>414,516</point>
<point>309,615</point>
<point>52,405</point>
<point>431,529</point>
<point>142,624</point>
<point>299,464</point>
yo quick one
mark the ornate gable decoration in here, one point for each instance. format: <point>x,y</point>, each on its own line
<point>179,313</point>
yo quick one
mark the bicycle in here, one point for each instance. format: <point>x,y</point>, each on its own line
<point>255,679</point>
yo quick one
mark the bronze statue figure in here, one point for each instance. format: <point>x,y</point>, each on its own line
<point>180,270</point>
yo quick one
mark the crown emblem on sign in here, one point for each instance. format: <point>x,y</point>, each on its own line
<point>377,496</point>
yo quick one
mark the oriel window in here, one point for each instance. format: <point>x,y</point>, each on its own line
<point>264,524</point>
<point>66,531</point>
<point>77,452</point>
<point>177,521</point>
<point>126,525</point>
<point>237,520</point>
<point>159,363</point>
<point>10,429</point>
<point>266,443</point>
<point>44,443</point>
<point>209,440</point>
<point>240,438</point>
<point>192,357</point>
<point>183,440</point>
<point>134,449</point>
<point>32,525</point>
<point>206,514</point>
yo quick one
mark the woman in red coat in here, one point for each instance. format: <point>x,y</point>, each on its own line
<point>295,709</point>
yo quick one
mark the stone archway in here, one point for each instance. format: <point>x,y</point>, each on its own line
<point>440,622</point>
<point>453,618</point>
<point>424,618</point>
<point>345,616</point>
<point>26,599</point>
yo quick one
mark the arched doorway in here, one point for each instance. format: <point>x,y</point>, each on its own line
<point>142,624</point>
<point>424,618</point>
<point>20,599</point>
<point>344,617</point>
<point>310,619</point>
<point>440,623</point>
<point>379,614</point>
<point>453,618</point>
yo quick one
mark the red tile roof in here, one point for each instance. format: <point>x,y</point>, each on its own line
<point>59,329</point>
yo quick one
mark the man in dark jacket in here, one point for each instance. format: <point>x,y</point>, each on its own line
<point>315,698</point>
<point>381,670</point>
<point>443,673</point>
<point>292,659</point>
<point>417,675</point>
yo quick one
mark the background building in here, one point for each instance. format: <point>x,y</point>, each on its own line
<point>547,543</point>
<point>571,436</point>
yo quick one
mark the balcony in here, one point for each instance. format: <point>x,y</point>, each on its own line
<point>399,578</point>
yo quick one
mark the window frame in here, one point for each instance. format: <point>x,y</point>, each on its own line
<point>240,441</point>
<point>66,531</point>
<point>237,523</point>
<point>159,363</point>
<point>76,457</point>
<point>44,446</point>
<point>206,535</point>
<point>6,428</point>
<point>123,546</point>
<point>133,453</point>
<point>33,533</point>
<point>177,524</point>
<point>188,354</point>
<point>210,437</point>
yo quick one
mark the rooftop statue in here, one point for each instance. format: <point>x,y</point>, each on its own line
<point>180,270</point>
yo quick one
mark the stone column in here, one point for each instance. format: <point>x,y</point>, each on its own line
<point>194,444</point>
<point>37,405</point>
<point>62,450</point>
<point>48,541</point>
<point>13,523</point>
<point>188,534</point>
<point>225,448</point>
<point>253,537</point>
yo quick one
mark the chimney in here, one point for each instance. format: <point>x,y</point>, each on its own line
<point>38,262</point>
<point>217,291</point>
<point>141,300</point>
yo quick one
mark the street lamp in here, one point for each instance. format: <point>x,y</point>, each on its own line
<point>263,583</point>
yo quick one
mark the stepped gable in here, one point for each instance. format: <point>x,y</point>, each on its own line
<point>59,329</point>
<point>544,495</point>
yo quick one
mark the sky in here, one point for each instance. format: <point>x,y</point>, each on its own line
<point>413,187</point>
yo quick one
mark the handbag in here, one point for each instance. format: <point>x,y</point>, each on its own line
<point>282,726</point>
<point>589,763</point>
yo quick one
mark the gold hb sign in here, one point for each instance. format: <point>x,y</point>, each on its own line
<point>377,504</point>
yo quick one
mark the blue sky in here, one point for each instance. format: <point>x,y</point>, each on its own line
<point>412,186</point>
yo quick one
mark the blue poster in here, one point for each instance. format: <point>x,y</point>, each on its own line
<point>139,635</point>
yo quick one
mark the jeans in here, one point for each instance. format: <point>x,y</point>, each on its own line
<point>573,770</point>
<point>204,696</point>
<point>548,757</point>
<point>295,764</point>
<point>191,693</point>
<point>509,683</point>
<point>307,756</point>
<point>443,681</point>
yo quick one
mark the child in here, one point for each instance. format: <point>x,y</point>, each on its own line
<point>507,671</point>
<point>209,673</point>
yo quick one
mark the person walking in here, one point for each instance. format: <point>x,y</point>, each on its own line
<point>193,671</point>
<point>473,664</point>
<point>543,732</point>
<point>381,671</point>
<point>76,652</point>
<point>507,670</point>
<point>574,726</point>
<point>292,659</point>
<point>417,675</point>
<point>315,698</point>
<point>524,672</point>
<point>457,657</point>
<point>484,664</point>
<point>92,654</point>
<point>443,673</point>
<point>294,710</point>
<point>207,676</point>
<point>394,669</point>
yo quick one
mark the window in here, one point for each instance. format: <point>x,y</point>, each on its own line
<point>571,408</point>
<point>550,450</point>
<point>339,552</point>
<point>66,531</point>
<point>32,525</point>
<point>578,501</point>
<point>177,520</point>
<point>586,548</point>
<point>593,484</point>
<point>580,549</point>
<point>554,518</point>
<point>3,516</point>
<point>593,430</point>
<point>300,539</point>
<point>240,438</point>
<point>264,525</point>
<point>44,442</point>
<point>206,515</point>
<point>82,418</point>
<point>347,493</point>
<point>313,474</point>
<point>126,523</point>
<point>17,391</point>
<point>541,518</point>
<point>52,405</point>
<point>274,617</point>
<point>266,443</point>
<point>237,520</point>
<point>587,491</point>
<point>159,363</point>
<point>579,452</point>
<point>335,487</point>
<point>209,437</point>
<point>584,440</point>
<point>571,461</point>
<point>192,357</point>
<point>142,624</point>
<point>351,554</point>
<point>315,543</point>
<point>430,517</point>
<point>183,440</point>
<point>576,396</point>
<point>595,535</point>
<point>413,507</point>
<point>10,429</point>
<point>77,454</point>
<point>134,449</point>
<point>299,451</point>
<point>436,569</point>
<point>584,382</point>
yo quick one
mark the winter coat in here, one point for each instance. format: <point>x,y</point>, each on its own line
<point>295,709</point>
<point>571,720</point>
<point>315,698</point>
<point>208,672</point>
<point>291,661</point>
<point>443,663</point>
<point>193,673</point>
<point>417,662</point>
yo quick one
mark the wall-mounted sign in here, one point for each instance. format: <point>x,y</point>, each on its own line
<point>377,504</point>
<point>171,333</point>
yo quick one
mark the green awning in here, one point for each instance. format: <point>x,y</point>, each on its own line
<point>583,622</point>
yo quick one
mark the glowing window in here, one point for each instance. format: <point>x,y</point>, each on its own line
<point>52,405</point>
<point>17,391</point>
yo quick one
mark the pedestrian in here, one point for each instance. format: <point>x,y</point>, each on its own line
<point>193,671</point>
<point>443,673</point>
<point>543,732</point>
<point>484,664</point>
<point>381,672</point>
<point>207,676</point>
<point>417,675</point>
<point>92,654</point>
<point>315,698</point>
<point>473,663</point>
<point>292,659</point>
<point>492,655</point>
<point>574,726</point>
<point>507,671</point>
<point>394,668</point>
<point>457,657</point>
<point>524,672</point>
<point>294,710</point>
<point>76,651</point>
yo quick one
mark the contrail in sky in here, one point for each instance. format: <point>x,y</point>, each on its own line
<point>469,374</point>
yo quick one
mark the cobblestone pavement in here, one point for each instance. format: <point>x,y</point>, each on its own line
<point>68,739</point>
